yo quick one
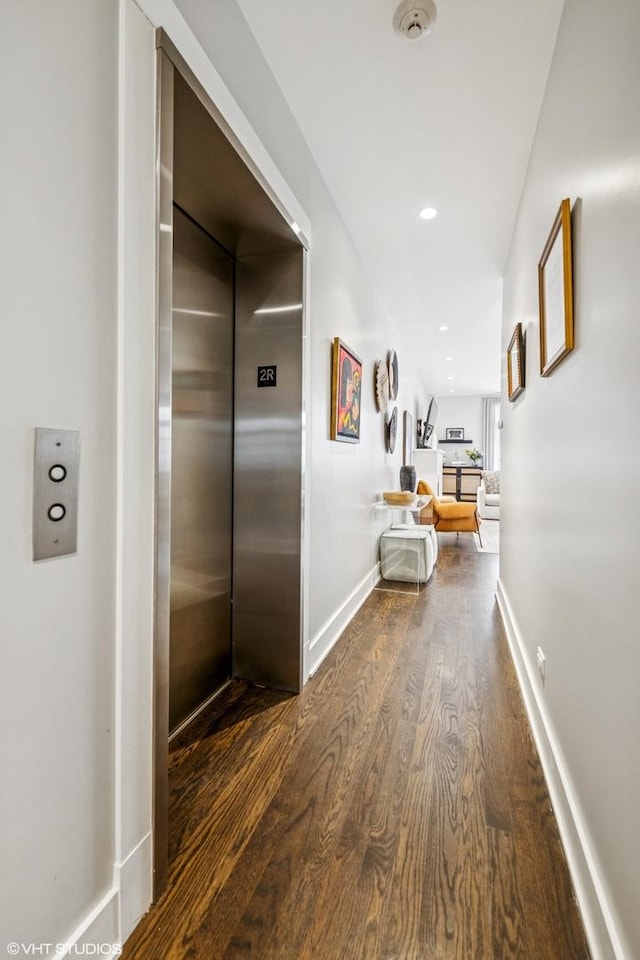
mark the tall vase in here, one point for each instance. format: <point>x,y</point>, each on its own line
<point>408,478</point>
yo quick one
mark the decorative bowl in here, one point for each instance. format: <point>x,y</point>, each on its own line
<point>400,498</point>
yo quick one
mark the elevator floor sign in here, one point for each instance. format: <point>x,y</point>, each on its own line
<point>267,376</point>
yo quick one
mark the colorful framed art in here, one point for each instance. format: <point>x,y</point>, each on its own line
<point>346,390</point>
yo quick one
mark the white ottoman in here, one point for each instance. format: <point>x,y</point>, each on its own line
<point>431,531</point>
<point>406,553</point>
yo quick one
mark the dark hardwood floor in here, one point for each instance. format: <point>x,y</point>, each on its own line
<point>394,810</point>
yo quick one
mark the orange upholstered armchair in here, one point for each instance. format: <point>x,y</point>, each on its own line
<point>451,515</point>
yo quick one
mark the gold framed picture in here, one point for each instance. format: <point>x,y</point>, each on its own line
<point>555,292</point>
<point>515,364</point>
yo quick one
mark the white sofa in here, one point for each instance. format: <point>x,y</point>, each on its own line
<point>489,496</point>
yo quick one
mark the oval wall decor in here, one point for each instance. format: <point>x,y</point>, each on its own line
<point>392,430</point>
<point>393,375</point>
<point>382,386</point>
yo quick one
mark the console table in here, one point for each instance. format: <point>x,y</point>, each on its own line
<point>461,482</point>
<point>407,551</point>
<point>413,509</point>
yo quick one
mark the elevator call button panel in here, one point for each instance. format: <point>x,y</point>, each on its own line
<point>56,471</point>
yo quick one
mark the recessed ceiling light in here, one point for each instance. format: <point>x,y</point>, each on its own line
<point>449,378</point>
<point>443,329</point>
<point>428,213</point>
<point>452,390</point>
<point>448,358</point>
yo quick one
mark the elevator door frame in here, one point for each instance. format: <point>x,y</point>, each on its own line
<point>168,61</point>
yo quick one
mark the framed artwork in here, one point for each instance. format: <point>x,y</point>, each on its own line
<point>454,433</point>
<point>515,364</point>
<point>346,389</point>
<point>407,438</point>
<point>555,293</point>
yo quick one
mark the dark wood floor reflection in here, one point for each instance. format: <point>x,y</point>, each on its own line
<point>395,810</point>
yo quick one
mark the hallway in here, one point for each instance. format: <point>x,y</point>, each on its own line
<point>394,809</point>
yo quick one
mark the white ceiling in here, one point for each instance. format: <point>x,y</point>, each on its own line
<point>396,125</point>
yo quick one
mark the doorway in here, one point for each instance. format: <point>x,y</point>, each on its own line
<point>229,441</point>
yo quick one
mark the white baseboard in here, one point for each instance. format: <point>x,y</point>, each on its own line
<point>135,882</point>
<point>97,933</point>
<point>597,914</point>
<point>329,634</point>
<point>114,917</point>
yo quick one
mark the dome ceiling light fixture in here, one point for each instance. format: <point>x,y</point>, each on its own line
<point>415,18</point>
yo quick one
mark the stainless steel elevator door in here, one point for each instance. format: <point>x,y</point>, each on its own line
<point>201,468</point>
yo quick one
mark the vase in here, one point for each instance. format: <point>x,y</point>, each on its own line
<point>408,478</point>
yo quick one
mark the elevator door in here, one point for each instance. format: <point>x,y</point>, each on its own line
<point>201,468</point>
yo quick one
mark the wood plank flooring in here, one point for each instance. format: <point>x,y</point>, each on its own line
<point>394,810</point>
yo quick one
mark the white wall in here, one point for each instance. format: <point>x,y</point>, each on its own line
<point>569,560</point>
<point>78,348</point>
<point>459,412</point>
<point>59,339</point>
